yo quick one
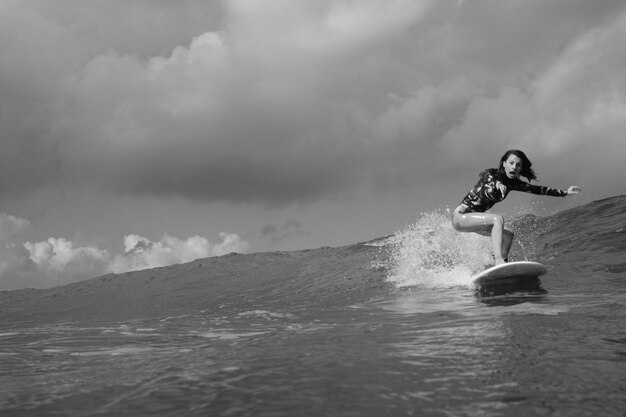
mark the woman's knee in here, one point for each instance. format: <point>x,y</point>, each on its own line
<point>456,222</point>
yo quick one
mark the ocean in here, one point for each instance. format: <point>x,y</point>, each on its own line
<point>390,327</point>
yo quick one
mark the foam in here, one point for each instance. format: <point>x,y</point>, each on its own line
<point>430,253</point>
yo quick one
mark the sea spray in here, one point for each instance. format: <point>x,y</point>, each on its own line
<point>430,253</point>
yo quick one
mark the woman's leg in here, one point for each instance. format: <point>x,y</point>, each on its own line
<point>486,224</point>
<point>507,241</point>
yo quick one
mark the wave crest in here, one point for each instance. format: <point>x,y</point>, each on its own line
<point>431,253</point>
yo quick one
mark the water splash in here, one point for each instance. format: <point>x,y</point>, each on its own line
<point>430,253</point>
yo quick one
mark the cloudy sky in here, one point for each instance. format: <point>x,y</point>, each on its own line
<point>148,132</point>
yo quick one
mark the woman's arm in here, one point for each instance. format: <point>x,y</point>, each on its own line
<point>542,190</point>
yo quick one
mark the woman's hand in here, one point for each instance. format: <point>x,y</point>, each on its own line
<point>501,187</point>
<point>573,189</point>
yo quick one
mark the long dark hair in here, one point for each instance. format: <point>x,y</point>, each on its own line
<point>526,170</point>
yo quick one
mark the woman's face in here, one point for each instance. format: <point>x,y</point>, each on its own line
<point>512,166</point>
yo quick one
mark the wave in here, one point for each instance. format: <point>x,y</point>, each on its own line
<point>428,253</point>
<point>587,238</point>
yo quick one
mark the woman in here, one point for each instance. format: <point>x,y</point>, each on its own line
<point>494,185</point>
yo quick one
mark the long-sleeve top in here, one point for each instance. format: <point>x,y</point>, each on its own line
<point>486,192</point>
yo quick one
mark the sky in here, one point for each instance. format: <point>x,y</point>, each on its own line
<point>144,133</point>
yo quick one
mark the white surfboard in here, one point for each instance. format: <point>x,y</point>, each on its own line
<point>508,273</point>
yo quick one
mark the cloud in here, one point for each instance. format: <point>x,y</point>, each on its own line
<point>287,229</point>
<point>11,226</point>
<point>236,114</point>
<point>59,261</point>
<point>141,253</point>
<point>60,256</point>
<point>282,101</point>
<point>227,117</point>
<point>14,260</point>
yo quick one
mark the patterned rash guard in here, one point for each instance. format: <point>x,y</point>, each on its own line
<point>486,192</point>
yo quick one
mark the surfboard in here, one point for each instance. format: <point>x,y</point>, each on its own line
<point>509,273</point>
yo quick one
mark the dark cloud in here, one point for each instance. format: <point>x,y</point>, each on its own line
<point>289,228</point>
<point>286,101</point>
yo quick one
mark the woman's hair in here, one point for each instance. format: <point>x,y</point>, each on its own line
<point>526,170</point>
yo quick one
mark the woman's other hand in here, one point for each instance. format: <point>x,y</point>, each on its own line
<point>573,189</point>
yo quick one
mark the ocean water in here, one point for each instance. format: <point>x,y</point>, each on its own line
<point>390,327</point>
